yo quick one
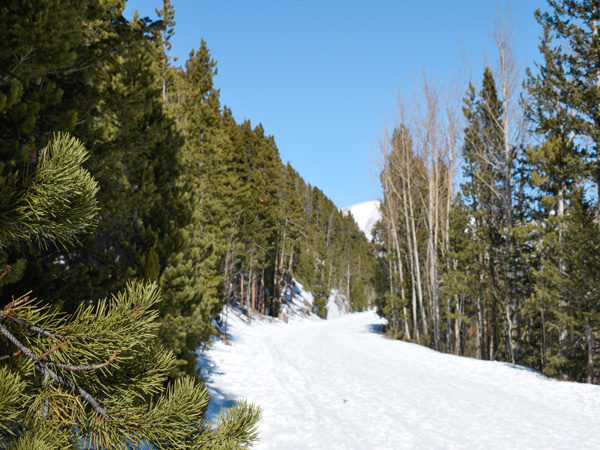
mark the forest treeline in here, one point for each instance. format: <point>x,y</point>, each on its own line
<point>190,206</point>
<point>508,267</point>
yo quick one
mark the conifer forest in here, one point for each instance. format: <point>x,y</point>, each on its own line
<point>135,209</point>
<point>504,266</point>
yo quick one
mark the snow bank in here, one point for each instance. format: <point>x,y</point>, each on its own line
<point>336,305</point>
<point>300,304</point>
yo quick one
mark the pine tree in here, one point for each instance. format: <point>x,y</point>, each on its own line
<point>483,194</point>
<point>163,42</point>
<point>289,235</point>
<point>571,50</point>
<point>111,87</point>
<point>559,96</point>
<point>566,287</point>
<point>192,280</point>
<point>93,378</point>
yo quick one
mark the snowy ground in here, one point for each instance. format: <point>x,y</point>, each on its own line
<point>339,384</point>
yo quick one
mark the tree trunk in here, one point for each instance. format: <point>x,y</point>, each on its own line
<point>417,267</point>
<point>262,292</point>
<point>413,269</point>
<point>253,289</point>
<point>590,352</point>
<point>457,326</point>
<point>480,342</point>
<point>242,298</point>
<point>275,278</point>
<point>348,285</point>
<point>597,119</point>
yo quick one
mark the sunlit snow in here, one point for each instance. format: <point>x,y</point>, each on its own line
<point>365,214</point>
<point>340,384</point>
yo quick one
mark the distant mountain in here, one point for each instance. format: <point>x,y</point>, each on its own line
<point>365,214</point>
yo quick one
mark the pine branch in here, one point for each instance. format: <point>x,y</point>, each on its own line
<point>77,389</point>
<point>15,303</point>
<point>40,330</point>
<point>42,360</point>
<point>3,274</point>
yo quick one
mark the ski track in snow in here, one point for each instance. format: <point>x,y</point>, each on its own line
<point>338,384</point>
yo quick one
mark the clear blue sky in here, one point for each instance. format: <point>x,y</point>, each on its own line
<point>323,75</point>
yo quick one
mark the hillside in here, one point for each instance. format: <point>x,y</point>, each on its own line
<point>365,214</point>
<point>340,384</point>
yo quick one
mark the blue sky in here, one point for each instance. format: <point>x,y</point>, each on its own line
<point>323,76</point>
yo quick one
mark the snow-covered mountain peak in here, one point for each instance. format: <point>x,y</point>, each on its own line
<point>365,214</point>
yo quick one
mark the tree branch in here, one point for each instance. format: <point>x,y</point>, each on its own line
<point>42,360</point>
<point>68,383</point>
<point>15,304</point>
<point>40,367</point>
<point>40,330</point>
<point>3,274</point>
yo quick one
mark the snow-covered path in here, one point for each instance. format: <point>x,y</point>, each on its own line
<point>339,384</point>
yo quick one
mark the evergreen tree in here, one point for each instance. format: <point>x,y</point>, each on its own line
<point>559,107</point>
<point>110,86</point>
<point>566,287</point>
<point>192,282</point>
<point>93,378</point>
<point>571,50</point>
<point>163,43</point>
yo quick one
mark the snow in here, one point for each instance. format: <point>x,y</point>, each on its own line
<point>366,215</point>
<point>336,305</point>
<point>339,384</point>
<point>300,304</point>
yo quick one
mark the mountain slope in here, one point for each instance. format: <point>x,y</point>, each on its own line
<point>340,384</point>
<point>365,214</point>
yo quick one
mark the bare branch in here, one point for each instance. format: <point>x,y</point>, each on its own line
<point>3,274</point>
<point>17,353</point>
<point>16,303</point>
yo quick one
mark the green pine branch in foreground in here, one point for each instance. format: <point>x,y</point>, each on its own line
<point>95,377</point>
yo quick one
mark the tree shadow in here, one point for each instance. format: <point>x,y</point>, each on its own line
<point>377,328</point>
<point>206,367</point>
<point>219,399</point>
<point>523,368</point>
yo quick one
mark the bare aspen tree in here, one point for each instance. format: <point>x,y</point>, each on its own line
<point>397,174</point>
<point>511,126</point>
<point>417,187</point>
<point>431,156</point>
<point>391,214</point>
<point>408,172</point>
<point>451,142</point>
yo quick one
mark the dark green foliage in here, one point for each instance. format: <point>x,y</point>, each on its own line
<point>96,377</point>
<point>566,295</point>
<point>571,50</point>
<point>320,296</point>
<point>191,281</point>
<point>563,108</point>
<point>51,203</point>
<point>483,204</point>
